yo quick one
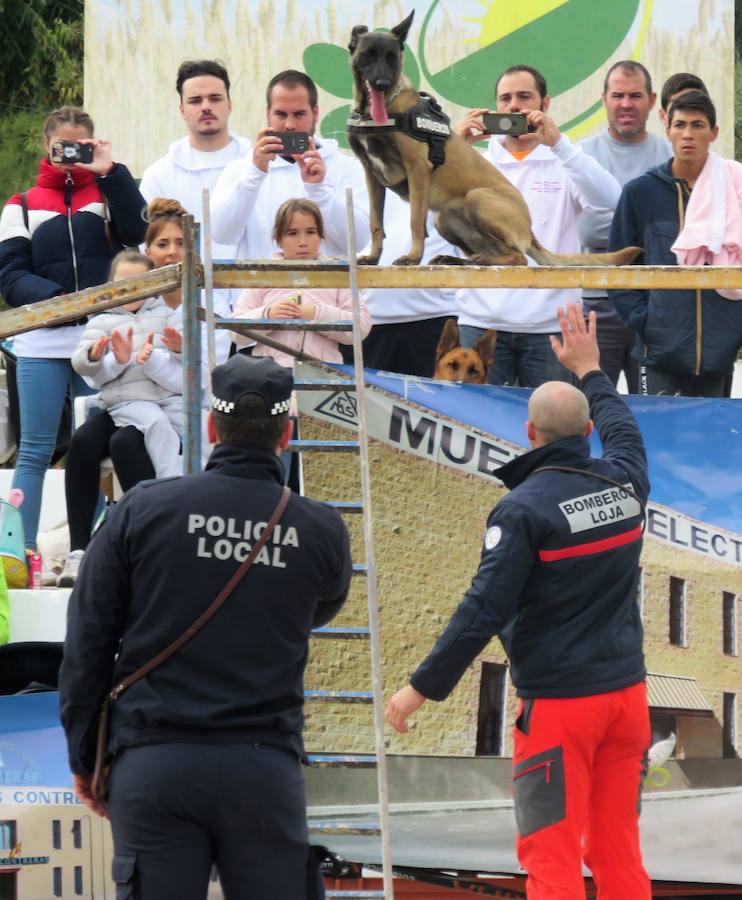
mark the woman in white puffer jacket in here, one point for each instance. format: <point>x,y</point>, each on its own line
<point>121,352</point>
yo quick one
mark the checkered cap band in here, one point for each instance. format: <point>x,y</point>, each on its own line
<point>281,407</point>
<point>224,406</point>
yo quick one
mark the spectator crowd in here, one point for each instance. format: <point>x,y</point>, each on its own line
<point>84,223</point>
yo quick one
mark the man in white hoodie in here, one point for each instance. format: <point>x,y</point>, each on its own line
<point>251,189</point>
<point>557,181</point>
<point>197,160</point>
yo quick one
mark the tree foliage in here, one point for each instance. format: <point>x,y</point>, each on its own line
<point>41,64</point>
<point>41,67</point>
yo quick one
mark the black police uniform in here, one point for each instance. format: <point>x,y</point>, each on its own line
<point>208,745</point>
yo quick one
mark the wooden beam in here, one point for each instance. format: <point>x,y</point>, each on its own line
<point>292,274</point>
<point>93,300</point>
<point>303,275</point>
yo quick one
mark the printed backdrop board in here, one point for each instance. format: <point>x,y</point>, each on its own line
<point>455,50</point>
<point>693,446</point>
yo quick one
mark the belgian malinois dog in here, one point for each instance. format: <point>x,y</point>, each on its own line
<point>476,208</point>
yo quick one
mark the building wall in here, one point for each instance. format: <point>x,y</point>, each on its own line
<point>428,524</point>
<point>34,833</point>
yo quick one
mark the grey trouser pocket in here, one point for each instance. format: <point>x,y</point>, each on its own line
<point>123,869</point>
<point>539,791</point>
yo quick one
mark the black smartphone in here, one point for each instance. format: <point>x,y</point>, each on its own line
<point>71,152</point>
<point>506,123</point>
<point>293,141</point>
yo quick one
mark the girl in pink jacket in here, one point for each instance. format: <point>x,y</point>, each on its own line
<point>298,230</point>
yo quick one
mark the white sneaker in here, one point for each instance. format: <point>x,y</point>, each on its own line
<point>72,562</point>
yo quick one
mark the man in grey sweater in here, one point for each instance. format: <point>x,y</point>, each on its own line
<point>626,149</point>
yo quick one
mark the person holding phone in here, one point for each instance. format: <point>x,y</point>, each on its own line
<point>558,181</point>
<point>56,238</point>
<point>250,190</point>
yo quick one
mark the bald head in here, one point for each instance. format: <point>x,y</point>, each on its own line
<point>557,410</point>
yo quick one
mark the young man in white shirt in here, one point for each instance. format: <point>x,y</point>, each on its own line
<point>197,160</point>
<point>557,181</point>
<point>250,190</point>
<point>627,150</point>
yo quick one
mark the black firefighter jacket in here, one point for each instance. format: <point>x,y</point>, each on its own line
<point>558,571</point>
<point>165,552</point>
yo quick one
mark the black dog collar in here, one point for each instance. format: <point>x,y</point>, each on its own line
<point>425,122</point>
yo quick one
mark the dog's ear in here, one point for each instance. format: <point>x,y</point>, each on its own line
<point>485,347</point>
<point>449,339</point>
<point>355,36</point>
<point>400,31</point>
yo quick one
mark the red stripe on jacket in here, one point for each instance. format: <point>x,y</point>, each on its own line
<point>618,540</point>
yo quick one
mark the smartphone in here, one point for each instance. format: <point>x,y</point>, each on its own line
<point>71,152</point>
<point>506,123</point>
<point>293,141</point>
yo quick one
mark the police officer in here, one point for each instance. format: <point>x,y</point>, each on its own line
<point>557,583</point>
<point>208,746</point>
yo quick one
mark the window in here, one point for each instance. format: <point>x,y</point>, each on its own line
<point>7,834</point>
<point>77,834</point>
<point>729,726</point>
<point>678,635</point>
<point>491,722</point>
<point>78,881</point>
<point>56,834</point>
<point>729,604</point>
<point>639,592</point>
<point>57,881</point>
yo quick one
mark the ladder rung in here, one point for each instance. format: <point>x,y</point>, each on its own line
<point>348,633</point>
<point>342,760</point>
<point>333,446</point>
<point>346,506</point>
<point>354,894</point>
<point>360,569</point>
<point>341,696</point>
<point>340,827</point>
<point>285,324</point>
<point>323,384</point>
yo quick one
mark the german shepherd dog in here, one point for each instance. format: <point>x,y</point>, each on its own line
<point>476,208</point>
<point>468,364</point>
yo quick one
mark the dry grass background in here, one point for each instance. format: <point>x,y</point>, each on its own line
<point>133,49</point>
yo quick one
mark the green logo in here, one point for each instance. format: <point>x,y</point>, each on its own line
<point>567,40</point>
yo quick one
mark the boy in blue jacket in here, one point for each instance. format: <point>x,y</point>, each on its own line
<point>691,336</point>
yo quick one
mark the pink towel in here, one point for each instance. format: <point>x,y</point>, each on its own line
<point>712,234</point>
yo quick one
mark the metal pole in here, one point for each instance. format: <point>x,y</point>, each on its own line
<point>208,284</point>
<point>373,607</point>
<point>191,352</point>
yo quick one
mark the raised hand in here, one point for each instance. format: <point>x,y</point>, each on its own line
<point>578,350</point>
<point>173,340</point>
<point>96,350</point>
<point>145,351</point>
<point>122,346</point>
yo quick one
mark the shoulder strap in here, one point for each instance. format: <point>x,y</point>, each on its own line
<point>119,689</point>
<point>575,471</point>
<point>24,210</point>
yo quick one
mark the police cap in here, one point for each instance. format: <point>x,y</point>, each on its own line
<point>257,375</point>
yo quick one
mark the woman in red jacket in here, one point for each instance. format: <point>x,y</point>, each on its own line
<point>56,238</point>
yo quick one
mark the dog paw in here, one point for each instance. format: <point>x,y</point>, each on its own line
<point>407,261</point>
<point>368,260</point>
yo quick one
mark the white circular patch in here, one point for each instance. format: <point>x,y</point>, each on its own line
<point>492,537</point>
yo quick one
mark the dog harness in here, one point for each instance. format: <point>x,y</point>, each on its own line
<point>425,122</point>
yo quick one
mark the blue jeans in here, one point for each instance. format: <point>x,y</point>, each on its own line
<point>521,360</point>
<point>42,386</point>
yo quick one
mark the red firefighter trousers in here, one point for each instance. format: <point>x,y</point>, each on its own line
<point>578,768</point>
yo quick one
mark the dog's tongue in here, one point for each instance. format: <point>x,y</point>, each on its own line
<point>378,106</point>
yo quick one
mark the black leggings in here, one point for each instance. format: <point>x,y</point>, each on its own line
<point>91,443</point>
